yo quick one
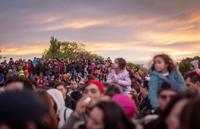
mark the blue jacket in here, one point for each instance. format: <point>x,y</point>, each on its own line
<point>156,80</point>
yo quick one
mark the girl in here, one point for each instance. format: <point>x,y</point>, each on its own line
<point>108,115</point>
<point>120,75</point>
<point>163,69</point>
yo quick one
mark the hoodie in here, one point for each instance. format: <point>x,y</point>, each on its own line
<point>62,112</point>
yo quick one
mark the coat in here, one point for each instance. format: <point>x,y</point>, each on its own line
<point>156,80</point>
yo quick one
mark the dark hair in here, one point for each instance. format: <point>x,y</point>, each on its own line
<point>58,84</point>
<point>20,107</point>
<point>46,100</point>
<point>113,116</point>
<point>165,86</point>
<point>113,89</point>
<point>189,118</point>
<point>165,113</point>
<point>167,59</point>
<point>194,77</point>
<point>121,62</point>
<point>27,85</point>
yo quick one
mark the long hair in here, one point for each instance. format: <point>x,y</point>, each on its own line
<point>114,117</point>
<point>46,99</point>
<point>168,61</point>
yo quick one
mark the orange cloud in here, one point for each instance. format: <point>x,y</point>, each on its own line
<point>75,24</point>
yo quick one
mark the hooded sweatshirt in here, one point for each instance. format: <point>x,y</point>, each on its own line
<point>62,112</point>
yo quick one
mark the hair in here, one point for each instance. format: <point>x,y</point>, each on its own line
<point>21,107</point>
<point>165,86</point>
<point>189,118</point>
<point>121,62</point>
<point>113,116</point>
<point>46,100</point>
<point>113,89</point>
<point>164,114</point>
<point>194,77</point>
<point>58,84</point>
<point>168,61</point>
<point>27,85</point>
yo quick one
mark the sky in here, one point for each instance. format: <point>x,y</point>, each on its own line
<point>134,29</point>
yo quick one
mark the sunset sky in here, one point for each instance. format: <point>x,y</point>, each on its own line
<point>133,29</point>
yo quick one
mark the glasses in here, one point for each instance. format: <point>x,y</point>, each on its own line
<point>93,91</point>
<point>164,97</point>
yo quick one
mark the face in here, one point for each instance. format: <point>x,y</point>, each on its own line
<point>93,92</point>
<point>116,64</point>
<point>193,87</point>
<point>15,86</point>
<point>95,120</point>
<point>165,97</point>
<point>74,85</point>
<point>172,120</point>
<point>62,89</point>
<point>160,65</point>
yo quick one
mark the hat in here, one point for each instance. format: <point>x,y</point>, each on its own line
<point>126,103</point>
<point>98,84</point>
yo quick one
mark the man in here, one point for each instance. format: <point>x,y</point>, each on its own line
<point>92,93</point>
<point>69,101</point>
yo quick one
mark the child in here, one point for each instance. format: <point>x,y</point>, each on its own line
<point>163,69</point>
<point>120,75</point>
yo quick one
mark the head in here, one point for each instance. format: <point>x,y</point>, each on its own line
<point>113,90</point>
<point>192,80</point>
<point>165,94</point>
<point>22,110</point>
<point>189,118</point>
<point>61,87</point>
<point>175,108</point>
<point>119,63</point>
<point>51,117</point>
<point>126,103</point>
<point>17,83</point>
<point>108,115</point>
<point>163,63</point>
<point>74,85</point>
<point>94,89</point>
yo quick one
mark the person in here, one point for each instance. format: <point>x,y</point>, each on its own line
<point>18,83</point>
<point>120,75</point>
<point>62,112</point>
<point>165,95</point>
<point>108,115</point>
<point>113,89</point>
<point>46,100</point>
<point>69,101</point>
<point>189,118</point>
<point>22,110</point>
<point>127,104</point>
<point>163,69</point>
<point>192,80</point>
<point>169,117</point>
<point>92,93</point>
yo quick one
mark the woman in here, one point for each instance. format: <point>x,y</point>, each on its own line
<point>63,113</point>
<point>46,100</point>
<point>108,115</point>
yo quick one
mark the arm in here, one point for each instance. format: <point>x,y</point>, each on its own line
<point>153,89</point>
<point>110,78</point>
<point>126,82</point>
<point>181,81</point>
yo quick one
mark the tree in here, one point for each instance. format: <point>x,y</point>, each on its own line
<point>184,65</point>
<point>66,49</point>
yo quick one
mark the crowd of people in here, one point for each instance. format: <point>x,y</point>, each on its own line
<point>98,94</point>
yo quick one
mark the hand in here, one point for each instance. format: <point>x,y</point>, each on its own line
<point>115,81</point>
<point>80,107</point>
